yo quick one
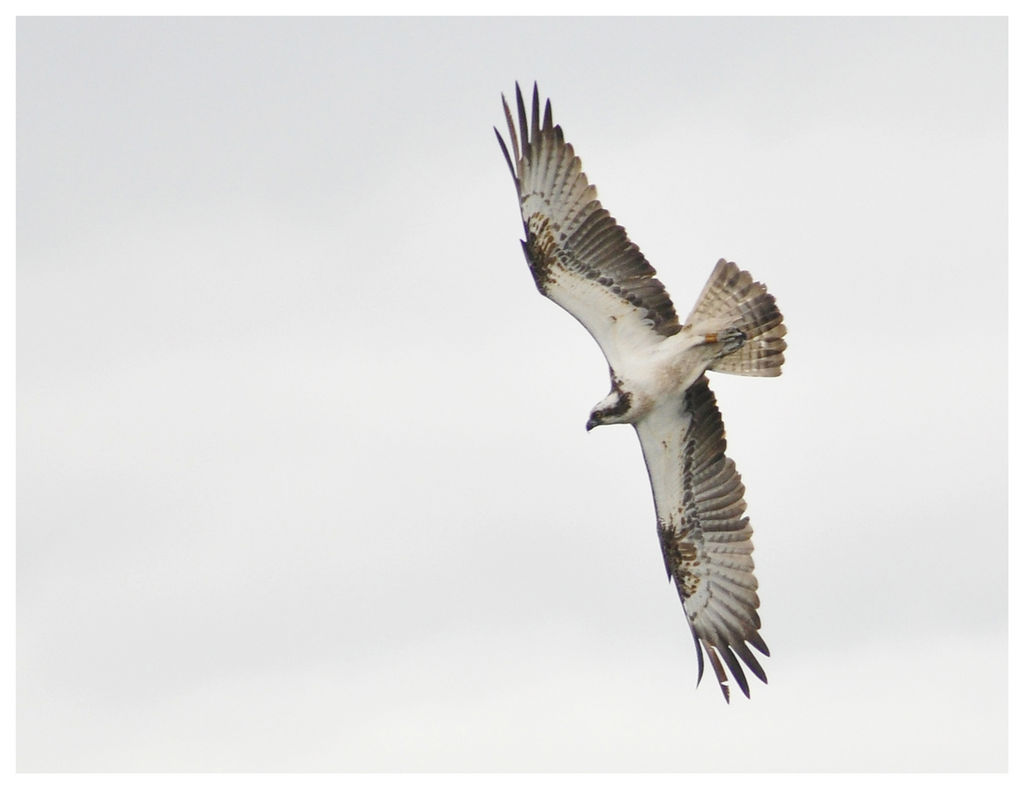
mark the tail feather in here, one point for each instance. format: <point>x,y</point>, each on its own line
<point>731,299</point>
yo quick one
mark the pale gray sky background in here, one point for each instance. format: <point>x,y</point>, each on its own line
<point>303,482</point>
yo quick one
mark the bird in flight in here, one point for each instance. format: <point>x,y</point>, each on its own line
<point>581,259</point>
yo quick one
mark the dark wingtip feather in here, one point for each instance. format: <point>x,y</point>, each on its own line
<point>751,661</point>
<point>523,125</point>
<point>699,654</point>
<point>758,643</point>
<point>511,131</point>
<point>735,668</point>
<point>719,671</point>
<point>507,157</point>
<point>535,120</point>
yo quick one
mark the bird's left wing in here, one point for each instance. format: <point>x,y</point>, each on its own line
<point>705,538</point>
<point>579,256</point>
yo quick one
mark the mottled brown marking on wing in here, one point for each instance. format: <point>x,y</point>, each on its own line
<point>570,237</point>
<point>706,542</point>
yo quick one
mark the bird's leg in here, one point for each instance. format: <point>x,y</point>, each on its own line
<point>727,341</point>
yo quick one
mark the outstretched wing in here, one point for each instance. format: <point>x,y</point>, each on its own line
<point>705,538</point>
<point>579,256</point>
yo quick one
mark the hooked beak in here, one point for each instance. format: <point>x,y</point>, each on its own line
<point>591,423</point>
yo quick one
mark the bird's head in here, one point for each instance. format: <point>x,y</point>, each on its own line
<point>613,409</point>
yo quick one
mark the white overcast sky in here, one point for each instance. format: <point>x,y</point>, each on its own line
<point>303,483</point>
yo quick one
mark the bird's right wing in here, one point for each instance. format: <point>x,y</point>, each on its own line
<point>705,538</point>
<point>579,256</point>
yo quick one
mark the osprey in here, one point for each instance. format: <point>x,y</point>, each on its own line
<point>582,260</point>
